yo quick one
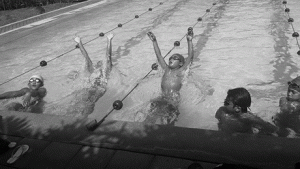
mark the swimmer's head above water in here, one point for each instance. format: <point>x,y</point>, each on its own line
<point>238,100</point>
<point>176,61</point>
<point>35,82</point>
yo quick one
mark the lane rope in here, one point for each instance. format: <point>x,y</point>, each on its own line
<point>118,104</point>
<point>44,63</point>
<point>291,20</point>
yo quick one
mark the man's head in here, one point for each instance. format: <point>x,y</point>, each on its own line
<point>238,100</point>
<point>293,93</point>
<point>176,61</point>
<point>36,81</point>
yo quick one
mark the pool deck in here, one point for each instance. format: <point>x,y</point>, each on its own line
<point>18,24</point>
<point>70,145</point>
<point>65,142</point>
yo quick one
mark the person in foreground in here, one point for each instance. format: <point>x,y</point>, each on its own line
<point>234,116</point>
<point>32,95</point>
<point>164,110</point>
<point>288,117</point>
<point>93,84</point>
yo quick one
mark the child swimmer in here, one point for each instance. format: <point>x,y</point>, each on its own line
<point>32,95</point>
<point>164,110</point>
<point>289,115</point>
<point>234,116</point>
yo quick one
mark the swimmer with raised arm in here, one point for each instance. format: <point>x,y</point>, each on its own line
<point>174,72</point>
<point>92,83</point>
<point>32,95</point>
<point>84,99</point>
<point>103,69</point>
<point>166,107</point>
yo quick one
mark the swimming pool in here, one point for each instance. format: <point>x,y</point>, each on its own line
<point>239,44</point>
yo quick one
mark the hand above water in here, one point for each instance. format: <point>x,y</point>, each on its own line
<point>151,36</point>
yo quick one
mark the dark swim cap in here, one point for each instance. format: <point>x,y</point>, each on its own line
<point>178,56</point>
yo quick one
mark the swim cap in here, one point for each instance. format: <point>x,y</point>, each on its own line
<point>38,77</point>
<point>179,56</point>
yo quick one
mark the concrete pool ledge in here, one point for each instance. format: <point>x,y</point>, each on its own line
<point>185,143</point>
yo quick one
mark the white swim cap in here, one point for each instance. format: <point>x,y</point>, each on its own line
<point>37,77</point>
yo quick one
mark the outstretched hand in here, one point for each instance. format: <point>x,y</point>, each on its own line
<point>151,36</point>
<point>77,39</point>
<point>189,35</point>
<point>110,36</point>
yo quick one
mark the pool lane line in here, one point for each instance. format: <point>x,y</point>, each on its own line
<point>44,63</point>
<point>94,124</point>
<point>291,20</point>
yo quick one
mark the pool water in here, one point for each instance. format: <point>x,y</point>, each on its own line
<point>241,43</point>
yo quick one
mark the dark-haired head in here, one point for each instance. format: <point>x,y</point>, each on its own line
<point>239,97</point>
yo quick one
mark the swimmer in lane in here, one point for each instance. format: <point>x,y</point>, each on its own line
<point>164,110</point>
<point>32,95</point>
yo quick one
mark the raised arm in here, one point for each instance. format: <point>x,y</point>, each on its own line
<point>160,59</point>
<point>88,63</point>
<point>190,57</point>
<point>109,52</point>
<point>14,94</point>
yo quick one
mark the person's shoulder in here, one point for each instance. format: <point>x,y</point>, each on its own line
<point>222,108</point>
<point>221,111</point>
<point>283,99</point>
<point>42,91</point>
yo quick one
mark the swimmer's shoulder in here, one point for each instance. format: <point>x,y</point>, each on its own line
<point>282,101</point>
<point>42,92</point>
<point>220,112</point>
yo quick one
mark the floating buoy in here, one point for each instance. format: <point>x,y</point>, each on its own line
<point>119,25</point>
<point>150,9</point>
<point>118,104</point>
<point>207,10</point>
<point>287,10</point>
<point>295,34</point>
<point>101,34</point>
<point>298,52</point>
<point>199,19</point>
<point>176,43</point>
<point>214,3</point>
<point>154,66</point>
<point>284,2</point>
<point>43,63</point>
<point>290,20</point>
<point>77,46</point>
<point>161,3</point>
<point>136,16</point>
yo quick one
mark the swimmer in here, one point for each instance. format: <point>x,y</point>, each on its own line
<point>288,117</point>
<point>234,115</point>
<point>82,102</point>
<point>105,69</point>
<point>174,72</point>
<point>164,109</point>
<point>32,95</point>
